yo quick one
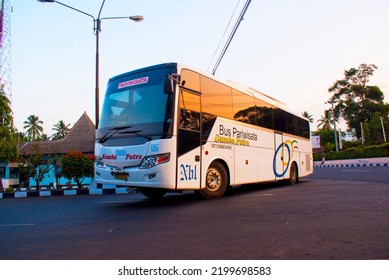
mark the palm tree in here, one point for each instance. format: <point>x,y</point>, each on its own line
<point>33,126</point>
<point>326,121</point>
<point>61,129</point>
<point>43,137</point>
<point>308,116</point>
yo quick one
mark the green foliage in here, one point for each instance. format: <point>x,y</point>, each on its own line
<point>328,147</point>
<point>373,151</point>
<point>9,190</point>
<point>326,121</point>
<point>34,167</point>
<point>34,127</point>
<point>61,129</point>
<point>308,116</point>
<point>373,132</point>
<point>8,139</point>
<point>327,139</point>
<point>77,166</point>
<point>358,102</point>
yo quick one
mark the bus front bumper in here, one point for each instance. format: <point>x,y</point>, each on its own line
<point>155,177</point>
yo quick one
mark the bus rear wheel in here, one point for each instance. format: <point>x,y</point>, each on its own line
<point>153,193</point>
<point>216,181</point>
<point>293,174</point>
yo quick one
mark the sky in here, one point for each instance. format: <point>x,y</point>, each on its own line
<point>292,50</point>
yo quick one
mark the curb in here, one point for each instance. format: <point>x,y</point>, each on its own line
<point>25,194</point>
<point>351,165</point>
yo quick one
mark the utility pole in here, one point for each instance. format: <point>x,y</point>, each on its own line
<point>383,129</point>
<point>335,134</point>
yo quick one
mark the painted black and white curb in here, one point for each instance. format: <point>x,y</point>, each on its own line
<point>47,193</point>
<point>351,165</point>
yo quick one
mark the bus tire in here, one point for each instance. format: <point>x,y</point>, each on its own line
<point>216,181</point>
<point>153,193</point>
<point>293,174</point>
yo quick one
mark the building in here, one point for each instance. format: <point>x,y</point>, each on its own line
<point>80,138</point>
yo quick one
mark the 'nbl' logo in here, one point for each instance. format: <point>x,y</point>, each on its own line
<point>188,172</point>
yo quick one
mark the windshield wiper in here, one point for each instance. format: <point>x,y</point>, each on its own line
<point>137,133</point>
<point>112,131</point>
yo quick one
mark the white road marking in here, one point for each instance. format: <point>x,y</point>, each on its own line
<point>345,170</point>
<point>16,225</point>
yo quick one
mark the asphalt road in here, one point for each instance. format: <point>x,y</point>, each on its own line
<point>337,213</point>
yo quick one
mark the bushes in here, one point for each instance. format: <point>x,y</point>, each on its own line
<point>356,152</point>
<point>78,166</point>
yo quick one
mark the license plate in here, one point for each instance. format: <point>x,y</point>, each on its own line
<point>121,176</point>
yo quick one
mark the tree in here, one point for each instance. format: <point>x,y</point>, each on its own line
<point>326,121</point>
<point>354,100</point>
<point>43,137</point>
<point>77,166</point>
<point>34,127</point>
<point>308,116</point>
<point>8,141</point>
<point>61,129</point>
<point>34,167</point>
<point>374,130</point>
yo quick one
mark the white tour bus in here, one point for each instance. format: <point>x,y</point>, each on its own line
<point>169,127</point>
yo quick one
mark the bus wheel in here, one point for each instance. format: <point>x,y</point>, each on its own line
<point>153,193</point>
<point>293,174</point>
<point>216,181</point>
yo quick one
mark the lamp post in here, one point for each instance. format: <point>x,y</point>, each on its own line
<point>335,132</point>
<point>97,30</point>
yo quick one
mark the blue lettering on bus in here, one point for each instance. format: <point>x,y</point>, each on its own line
<point>188,172</point>
<point>154,147</point>
<point>120,153</point>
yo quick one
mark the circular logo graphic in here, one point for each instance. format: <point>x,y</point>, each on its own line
<point>280,156</point>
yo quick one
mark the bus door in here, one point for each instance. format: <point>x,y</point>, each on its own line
<point>189,141</point>
<point>280,156</point>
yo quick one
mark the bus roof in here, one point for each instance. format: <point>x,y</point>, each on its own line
<point>235,85</point>
<point>240,87</point>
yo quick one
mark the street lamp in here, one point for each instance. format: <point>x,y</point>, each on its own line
<point>97,30</point>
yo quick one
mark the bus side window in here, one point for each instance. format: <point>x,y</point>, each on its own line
<point>244,107</point>
<point>189,111</point>
<point>192,79</point>
<point>216,98</point>
<point>189,120</point>
<point>279,118</point>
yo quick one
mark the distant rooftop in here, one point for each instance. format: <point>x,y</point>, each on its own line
<point>80,138</point>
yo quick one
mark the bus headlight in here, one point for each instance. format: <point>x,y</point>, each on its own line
<point>151,161</point>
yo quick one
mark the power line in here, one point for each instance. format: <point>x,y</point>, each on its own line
<point>240,18</point>
<point>225,31</point>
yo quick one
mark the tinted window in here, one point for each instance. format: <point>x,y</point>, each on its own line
<point>244,107</point>
<point>216,98</point>
<point>280,120</point>
<point>291,123</point>
<point>190,79</point>
<point>305,131</point>
<point>264,114</point>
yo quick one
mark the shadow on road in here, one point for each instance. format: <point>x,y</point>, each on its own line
<point>187,198</point>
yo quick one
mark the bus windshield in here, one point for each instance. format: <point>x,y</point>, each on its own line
<point>138,103</point>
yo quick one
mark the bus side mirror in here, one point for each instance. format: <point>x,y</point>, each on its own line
<point>168,86</point>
